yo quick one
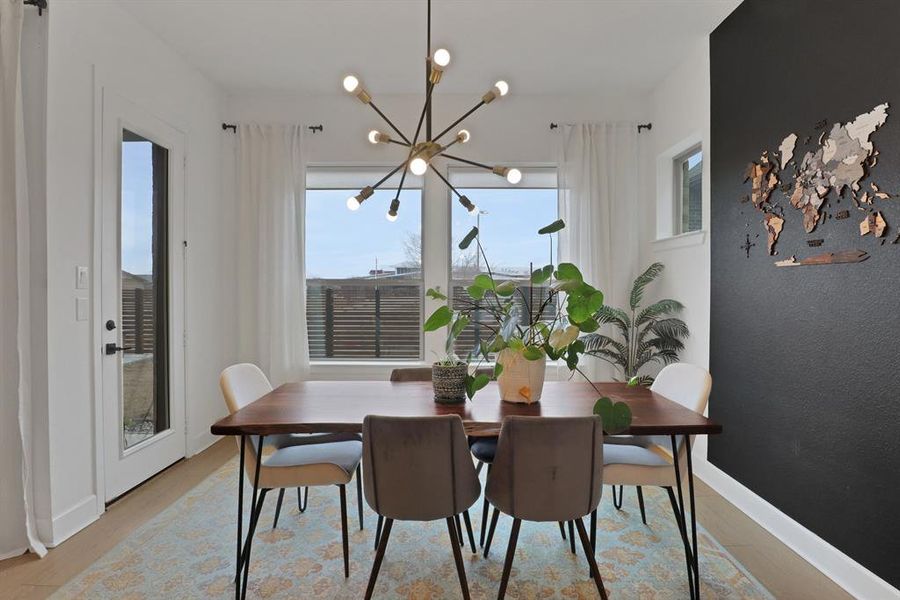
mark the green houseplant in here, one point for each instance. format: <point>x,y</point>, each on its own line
<point>646,335</point>
<point>525,331</point>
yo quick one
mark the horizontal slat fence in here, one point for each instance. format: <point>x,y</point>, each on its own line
<point>137,321</point>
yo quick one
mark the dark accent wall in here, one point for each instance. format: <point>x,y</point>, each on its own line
<point>806,360</point>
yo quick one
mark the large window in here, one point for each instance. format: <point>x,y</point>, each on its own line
<point>688,171</point>
<point>363,273</point>
<point>507,218</point>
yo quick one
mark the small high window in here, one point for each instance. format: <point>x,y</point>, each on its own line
<point>688,170</point>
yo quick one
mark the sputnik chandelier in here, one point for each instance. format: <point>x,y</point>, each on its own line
<point>420,155</point>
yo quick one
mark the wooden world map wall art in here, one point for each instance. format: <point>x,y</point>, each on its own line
<point>833,168</point>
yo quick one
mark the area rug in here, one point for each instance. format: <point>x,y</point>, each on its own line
<point>187,551</point>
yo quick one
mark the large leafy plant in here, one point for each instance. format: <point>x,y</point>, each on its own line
<point>566,309</point>
<point>645,335</point>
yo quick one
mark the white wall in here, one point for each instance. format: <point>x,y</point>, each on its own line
<point>91,39</point>
<point>512,130</point>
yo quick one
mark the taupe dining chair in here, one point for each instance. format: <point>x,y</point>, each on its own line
<point>547,469</point>
<point>315,461</point>
<point>418,469</point>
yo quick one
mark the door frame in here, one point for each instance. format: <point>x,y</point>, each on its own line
<point>177,294</point>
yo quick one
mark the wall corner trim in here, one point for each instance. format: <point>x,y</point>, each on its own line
<point>837,566</point>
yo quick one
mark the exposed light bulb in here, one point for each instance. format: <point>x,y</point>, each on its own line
<point>441,57</point>
<point>463,136</point>
<point>391,216</point>
<point>514,176</point>
<point>351,83</point>
<point>353,203</point>
<point>502,87</point>
<point>473,210</point>
<point>418,166</point>
<point>373,136</point>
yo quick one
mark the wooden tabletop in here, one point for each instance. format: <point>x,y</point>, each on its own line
<point>340,406</point>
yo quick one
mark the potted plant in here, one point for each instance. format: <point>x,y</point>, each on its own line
<point>448,377</point>
<point>647,335</point>
<point>525,331</point>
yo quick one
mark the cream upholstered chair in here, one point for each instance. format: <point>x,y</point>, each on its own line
<point>635,460</point>
<point>296,462</point>
<point>418,469</point>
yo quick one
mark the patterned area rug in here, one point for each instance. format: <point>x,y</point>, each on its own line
<point>187,551</point>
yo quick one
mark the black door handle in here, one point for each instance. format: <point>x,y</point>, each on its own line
<point>111,348</point>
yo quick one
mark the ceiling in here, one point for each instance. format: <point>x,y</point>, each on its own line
<point>538,46</point>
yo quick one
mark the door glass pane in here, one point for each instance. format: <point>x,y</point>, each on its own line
<point>143,331</point>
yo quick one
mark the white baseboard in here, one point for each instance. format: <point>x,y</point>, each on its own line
<point>14,553</point>
<point>837,566</point>
<point>71,521</point>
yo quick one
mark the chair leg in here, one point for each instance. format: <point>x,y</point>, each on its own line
<point>617,502</point>
<point>572,537</point>
<point>469,531</point>
<point>278,508</point>
<point>459,535</point>
<point>378,530</point>
<point>452,529</point>
<point>562,530</point>
<point>346,540</point>
<point>379,556</point>
<point>593,536</point>
<point>302,499</point>
<point>478,468</point>
<point>484,515</point>
<point>510,554</point>
<point>586,544</point>
<point>359,496</point>
<point>640,494</point>
<point>490,536</point>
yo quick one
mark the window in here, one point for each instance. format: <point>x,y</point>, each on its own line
<point>507,218</point>
<point>363,273</point>
<point>688,170</point>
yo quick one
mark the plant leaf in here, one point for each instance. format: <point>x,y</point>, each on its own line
<point>498,369</point>
<point>467,241</point>
<point>644,279</point>
<point>484,281</point>
<point>457,328</point>
<point>439,318</point>
<point>616,417</point>
<point>533,353</point>
<point>507,288</point>
<point>475,292</point>
<point>435,293</point>
<point>552,227</point>
<point>568,272</point>
<point>541,275</point>
<point>473,384</point>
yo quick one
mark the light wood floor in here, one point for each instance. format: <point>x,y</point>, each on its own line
<point>777,567</point>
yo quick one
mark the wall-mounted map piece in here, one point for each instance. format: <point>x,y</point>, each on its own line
<point>828,258</point>
<point>839,162</point>
<point>763,180</point>
<point>873,224</point>
<point>787,149</point>
<point>774,225</point>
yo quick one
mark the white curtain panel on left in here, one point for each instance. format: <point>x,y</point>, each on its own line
<point>599,200</point>
<point>17,530</point>
<point>271,270</point>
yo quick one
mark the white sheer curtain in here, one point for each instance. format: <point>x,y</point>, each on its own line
<point>599,200</point>
<point>271,272</point>
<point>17,531</point>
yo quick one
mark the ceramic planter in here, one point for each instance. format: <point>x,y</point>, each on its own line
<point>449,383</point>
<point>521,380</point>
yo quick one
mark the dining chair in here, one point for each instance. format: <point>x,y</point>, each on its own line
<point>421,374</point>
<point>547,469</point>
<point>291,466</point>
<point>643,461</point>
<point>418,469</point>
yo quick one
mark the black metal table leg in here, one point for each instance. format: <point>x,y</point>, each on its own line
<point>694,548</point>
<point>246,557</point>
<point>688,551</point>
<point>240,523</point>
<point>640,494</point>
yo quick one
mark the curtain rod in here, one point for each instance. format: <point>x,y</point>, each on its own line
<point>40,4</point>
<point>641,127</point>
<point>233,128</point>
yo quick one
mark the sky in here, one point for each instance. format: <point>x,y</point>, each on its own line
<point>341,243</point>
<point>137,208</point>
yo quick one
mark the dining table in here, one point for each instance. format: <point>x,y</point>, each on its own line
<point>341,406</point>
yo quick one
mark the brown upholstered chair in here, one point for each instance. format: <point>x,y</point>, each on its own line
<point>547,469</point>
<point>418,469</point>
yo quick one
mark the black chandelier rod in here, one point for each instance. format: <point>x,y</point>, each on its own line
<point>467,161</point>
<point>388,121</point>
<point>425,109</point>
<point>389,175</point>
<point>459,120</point>
<point>444,179</point>
<point>428,84</point>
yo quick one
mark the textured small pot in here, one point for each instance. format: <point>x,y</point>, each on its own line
<point>449,383</point>
<point>521,380</point>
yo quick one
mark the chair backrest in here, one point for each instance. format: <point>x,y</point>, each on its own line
<point>684,383</point>
<point>424,374</point>
<point>548,469</point>
<point>242,384</point>
<point>418,468</point>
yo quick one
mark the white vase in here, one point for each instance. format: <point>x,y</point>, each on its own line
<point>521,380</point>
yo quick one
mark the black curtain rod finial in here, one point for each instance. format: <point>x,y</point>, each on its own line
<point>40,4</point>
<point>315,128</point>
<point>227,126</point>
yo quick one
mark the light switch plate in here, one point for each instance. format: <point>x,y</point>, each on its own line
<point>81,309</point>
<point>81,278</point>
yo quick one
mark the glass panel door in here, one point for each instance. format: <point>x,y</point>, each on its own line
<point>144,289</point>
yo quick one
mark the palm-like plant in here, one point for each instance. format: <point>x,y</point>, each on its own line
<point>647,335</point>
